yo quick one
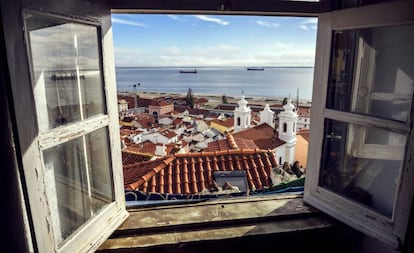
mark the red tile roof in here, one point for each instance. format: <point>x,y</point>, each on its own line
<point>192,172</point>
<point>145,148</point>
<point>144,102</point>
<point>191,111</point>
<point>227,107</point>
<point>230,143</point>
<point>304,111</point>
<point>263,135</point>
<point>168,133</point>
<point>129,158</point>
<point>228,122</point>
<point>200,101</point>
<point>159,103</point>
<point>145,120</point>
<point>177,121</point>
<point>304,133</point>
<point>129,99</point>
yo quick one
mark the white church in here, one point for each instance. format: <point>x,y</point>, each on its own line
<point>286,131</point>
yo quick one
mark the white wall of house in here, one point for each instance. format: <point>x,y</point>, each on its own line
<point>303,123</point>
<point>160,150</point>
<point>136,138</point>
<point>180,130</point>
<point>280,153</point>
<point>201,126</point>
<point>122,105</point>
<point>165,121</point>
<point>155,138</point>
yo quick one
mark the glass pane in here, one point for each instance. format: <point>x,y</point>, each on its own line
<point>362,163</point>
<point>99,166</point>
<point>79,181</point>
<point>371,73</point>
<point>67,75</point>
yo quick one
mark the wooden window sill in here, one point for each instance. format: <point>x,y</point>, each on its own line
<point>215,220</point>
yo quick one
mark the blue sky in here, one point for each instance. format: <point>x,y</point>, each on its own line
<point>148,40</point>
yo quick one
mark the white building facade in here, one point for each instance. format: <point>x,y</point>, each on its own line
<point>287,129</point>
<point>242,115</point>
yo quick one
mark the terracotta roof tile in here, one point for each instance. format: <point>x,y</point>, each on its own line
<point>192,172</point>
<point>228,122</point>
<point>168,133</point>
<point>129,158</point>
<point>263,135</point>
<point>130,100</point>
<point>155,102</point>
<point>231,143</point>
<point>145,148</point>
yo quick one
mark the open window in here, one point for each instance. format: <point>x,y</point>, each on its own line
<point>361,135</point>
<point>67,125</point>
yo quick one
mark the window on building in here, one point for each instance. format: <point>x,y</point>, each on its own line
<point>284,127</point>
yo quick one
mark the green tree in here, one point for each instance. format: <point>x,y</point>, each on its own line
<point>285,101</point>
<point>189,99</point>
<point>224,99</point>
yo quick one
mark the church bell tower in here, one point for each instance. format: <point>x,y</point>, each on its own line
<point>287,129</point>
<point>242,115</point>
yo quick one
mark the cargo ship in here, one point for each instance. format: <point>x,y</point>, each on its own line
<point>190,71</point>
<point>255,68</point>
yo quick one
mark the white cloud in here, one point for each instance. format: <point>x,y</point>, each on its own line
<point>127,22</point>
<point>280,53</point>
<point>214,20</point>
<point>282,46</point>
<point>310,21</point>
<point>267,24</point>
<point>172,50</point>
<point>175,17</point>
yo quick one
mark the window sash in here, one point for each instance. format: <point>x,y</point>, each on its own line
<point>390,230</point>
<point>32,141</point>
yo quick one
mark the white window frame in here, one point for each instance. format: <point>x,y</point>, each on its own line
<point>98,228</point>
<point>390,230</point>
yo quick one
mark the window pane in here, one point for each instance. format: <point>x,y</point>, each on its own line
<point>79,181</point>
<point>362,163</point>
<point>67,76</point>
<point>372,74</point>
<point>99,166</point>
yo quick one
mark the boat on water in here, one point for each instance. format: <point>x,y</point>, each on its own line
<point>255,68</point>
<point>189,71</point>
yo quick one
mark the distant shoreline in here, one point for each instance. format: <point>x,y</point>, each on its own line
<point>215,99</point>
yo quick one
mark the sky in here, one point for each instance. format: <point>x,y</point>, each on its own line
<point>160,40</point>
